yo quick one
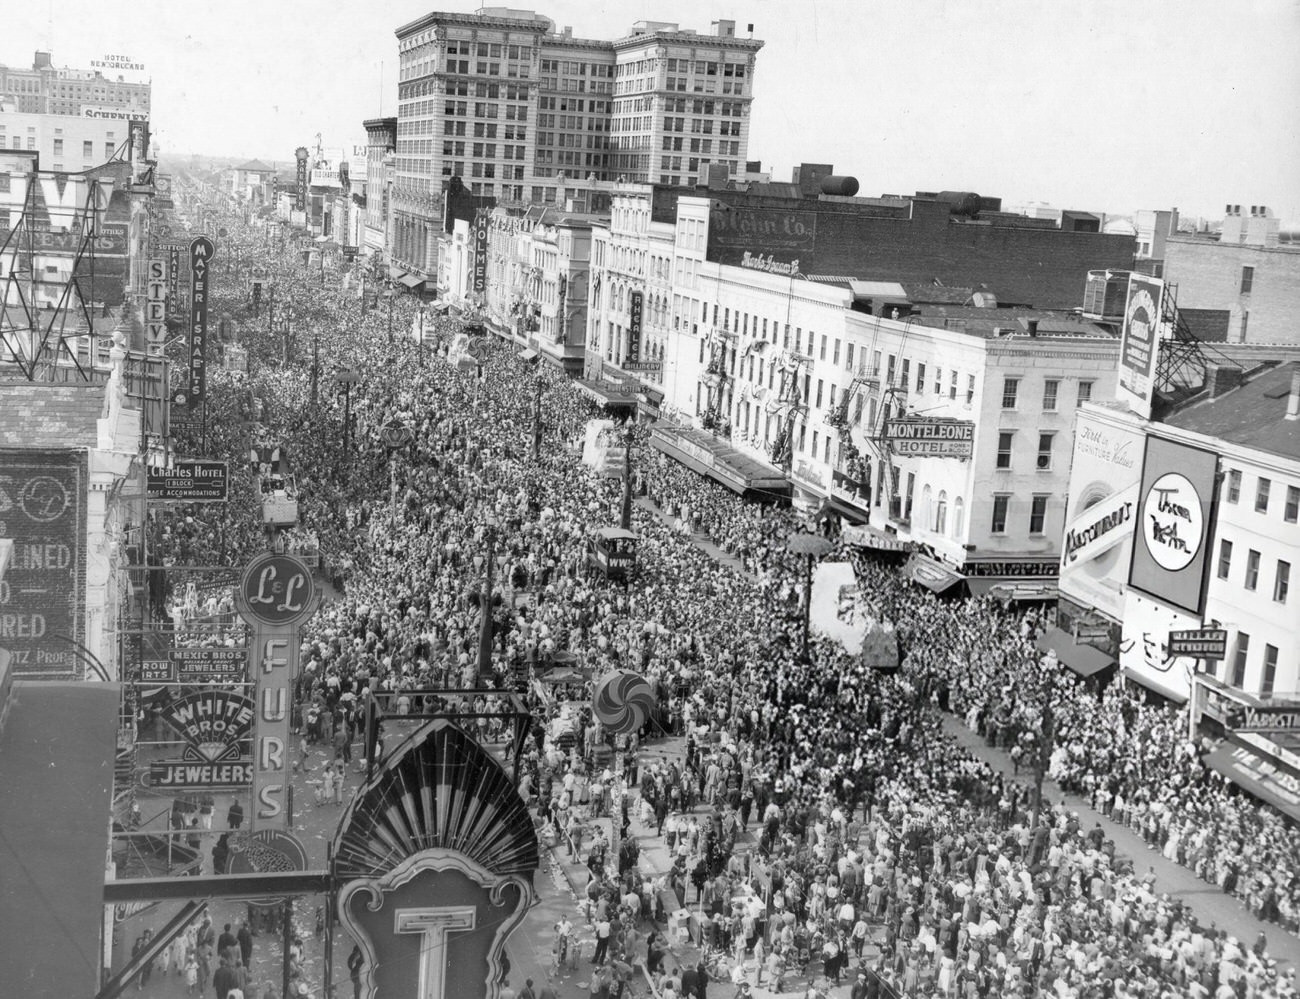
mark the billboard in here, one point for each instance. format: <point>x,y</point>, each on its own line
<point>1175,511</point>
<point>1139,344</point>
<point>1101,512</point>
<point>636,307</point>
<point>931,438</point>
<point>767,239</point>
<point>42,594</point>
<point>480,234</point>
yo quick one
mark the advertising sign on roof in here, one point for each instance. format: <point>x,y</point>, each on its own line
<point>1139,345</point>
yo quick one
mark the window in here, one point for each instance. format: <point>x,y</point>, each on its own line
<point>1049,394</point>
<point>58,147</point>
<point>1252,569</point>
<point>88,149</point>
<point>821,354</point>
<point>1085,392</point>
<point>970,389</point>
<point>1270,670</point>
<point>1005,438</point>
<point>819,393</point>
<point>1234,485</point>
<point>1000,504</point>
<point>1045,452</point>
<point>938,381</point>
<point>875,364</point>
<point>941,514</point>
<point>1261,495</point>
<point>1239,659</point>
<point>1010,386</point>
<point>920,377</point>
<point>1037,513</point>
<point>848,357</point>
<point>1292,510</point>
<point>1247,279</point>
<point>1225,558</point>
<point>1282,581</point>
<point>952,385</point>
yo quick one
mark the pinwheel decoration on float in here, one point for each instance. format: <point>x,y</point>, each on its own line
<point>622,702</point>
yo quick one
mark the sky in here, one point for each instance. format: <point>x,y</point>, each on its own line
<point>1097,105</point>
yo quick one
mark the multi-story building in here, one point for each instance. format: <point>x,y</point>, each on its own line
<point>64,143</point>
<point>1243,284</point>
<point>381,139</point>
<point>516,109</point>
<point>246,181</point>
<point>47,89</point>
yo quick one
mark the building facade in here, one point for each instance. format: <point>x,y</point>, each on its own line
<point>79,93</point>
<point>381,139</point>
<point>1244,277</point>
<point>516,109</point>
<point>65,144</point>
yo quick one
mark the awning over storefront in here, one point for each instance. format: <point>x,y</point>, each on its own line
<point>528,354</point>
<point>396,273</point>
<point>866,536</point>
<point>440,306</point>
<point>605,393</point>
<point>934,576</point>
<point>1082,660</point>
<point>410,281</point>
<point>1013,589</point>
<point>700,451</point>
<point>1258,775</point>
<point>57,740</point>
<point>1168,692</point>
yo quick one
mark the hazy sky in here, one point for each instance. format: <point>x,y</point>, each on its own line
<point>1094,104</point>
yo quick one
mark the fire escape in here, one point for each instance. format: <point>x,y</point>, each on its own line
<point>46,323</point>
<point>717,381</point>
<point>789,406</point>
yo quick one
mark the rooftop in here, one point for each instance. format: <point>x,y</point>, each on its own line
<point>1253,414</point>
<point>50,415</point>
<point>993,323</point>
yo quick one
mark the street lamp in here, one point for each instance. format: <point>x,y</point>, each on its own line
<point>810,546</point>
<point>345,378</point>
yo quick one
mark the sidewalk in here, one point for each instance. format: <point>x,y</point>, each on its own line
<point>699,539</point>
<point>1211,905</point>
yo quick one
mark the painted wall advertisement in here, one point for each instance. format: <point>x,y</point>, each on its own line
<point>42,594</point>
<point>775,240</point>
<point>1139,344</point>
<point>635,309</point>
<point>482,225</point>
<point>1174,515</point>
<point>201,252</point>
<point>1101,513</point>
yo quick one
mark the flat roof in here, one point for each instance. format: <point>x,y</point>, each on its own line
<point>1253,414</point>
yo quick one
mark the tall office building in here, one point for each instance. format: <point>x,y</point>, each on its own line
<point>513,107</point>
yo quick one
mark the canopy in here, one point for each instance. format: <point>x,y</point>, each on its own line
<point>528,354</point>
<point>616,534</point>
<point>1083,660</point>
<point>701,452</point>
<point>1014,589</point>
<point>410,281</point>
<point>1258,775</point>
<point>605,393</point>
<point>934,576</point>
<point>867,536</point>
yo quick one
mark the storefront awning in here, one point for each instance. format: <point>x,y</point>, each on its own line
<point>866,536</point>
<point>1256,774</point>
<point>605,393</point>
<point>396,273</point>
<point>1082,660</point>
<point>410,281</point>
<point>1013,589</point>
<point>1169,692</point>
<point>440,306</point>
<point>934,576</point>
<point>701,452</point>
<point>528,354</point>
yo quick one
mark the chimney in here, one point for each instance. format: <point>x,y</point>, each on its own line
<point>1032,327</point>
<point>1223,378</point>
<point>1293,400</point>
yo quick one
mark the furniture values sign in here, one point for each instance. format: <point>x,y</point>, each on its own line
<point>42,594</point>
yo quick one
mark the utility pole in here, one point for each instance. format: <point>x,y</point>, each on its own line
<point>1044,756</point>
<point>315,368</point>
<point>626,520</point>
<point>485,623</point>
<point>537,415</point>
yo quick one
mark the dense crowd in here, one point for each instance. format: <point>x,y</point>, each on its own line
<point>868,819</point>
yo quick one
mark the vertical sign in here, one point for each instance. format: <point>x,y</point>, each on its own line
<point>201,252</point>
<point>1139,344</point>
<point>301,154</point>
<point>42,594</point>
<point>174,277</point>
<point>155,306</point>
<point>276,596</point>
<point>634,327</point>
<point>481,221</point>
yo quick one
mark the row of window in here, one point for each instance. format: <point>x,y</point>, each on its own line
<point>1240,660</point>
<point>1051,393</point>
<point>1002,508</point>
<point>1006,444</point>
<point>1263,493</point>
<point>1281,573</point>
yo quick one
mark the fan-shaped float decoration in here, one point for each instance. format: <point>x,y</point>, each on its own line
<point>438,790</point>
<point>622,701</point>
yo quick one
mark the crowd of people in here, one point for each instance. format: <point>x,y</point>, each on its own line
<point>827,791</point>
